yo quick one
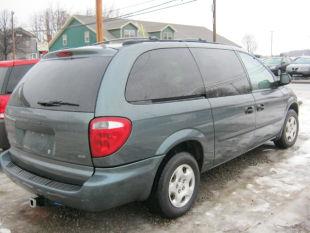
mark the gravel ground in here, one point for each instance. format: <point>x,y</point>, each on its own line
<point>265,190</point>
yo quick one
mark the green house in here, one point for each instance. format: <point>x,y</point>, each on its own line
<point>80,30</point>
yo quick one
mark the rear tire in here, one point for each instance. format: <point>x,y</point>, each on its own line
<point>177,187</point>
<point>289,132</point>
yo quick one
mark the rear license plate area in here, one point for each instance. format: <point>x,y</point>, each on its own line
<point>39,143</point>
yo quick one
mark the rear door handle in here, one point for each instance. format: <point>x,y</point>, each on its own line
<point>260,107</point>
<point>249,110</point>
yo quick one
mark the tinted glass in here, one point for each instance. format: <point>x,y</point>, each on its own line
<point>287,60</point>
<point>222,72</point>
<point>163,74</point>
<point>75,80</point>
<point>302,60</point>
<point>3,73</point>
<point>16,75</point>
<point>259,76</point>
<point>272,61</point>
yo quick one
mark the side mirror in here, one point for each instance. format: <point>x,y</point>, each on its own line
<point>285,79</point>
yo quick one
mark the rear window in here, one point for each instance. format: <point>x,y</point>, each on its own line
<point>75,81</point>
<point>16,75</point>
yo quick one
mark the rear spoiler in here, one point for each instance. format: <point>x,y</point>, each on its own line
<point>81,52</point>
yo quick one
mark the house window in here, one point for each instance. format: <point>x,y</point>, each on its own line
<point>167,35</point>
<point>34,55</point>
<point>129,33</point>
<point>86,36</point>
<point>64,40</point>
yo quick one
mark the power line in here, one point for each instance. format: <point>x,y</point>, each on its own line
<point>138,12</point>
<point>135,13</point>
<point>141,3</point>
<point>130,6</point>
<point>163,8</point>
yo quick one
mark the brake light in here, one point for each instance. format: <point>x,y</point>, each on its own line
<point>64,54</point>
<point>108,134</point>
<point>4,99</point>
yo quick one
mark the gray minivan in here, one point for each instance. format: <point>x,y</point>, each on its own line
<point>140,121</point>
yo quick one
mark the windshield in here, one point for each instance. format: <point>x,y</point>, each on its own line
<point>273,61</point>
<point>302,60</point>
<point>62,84</point>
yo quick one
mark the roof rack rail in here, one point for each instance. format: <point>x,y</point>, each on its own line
<point>122,40</point>
<point>150,39</point>
<point>135,40</point>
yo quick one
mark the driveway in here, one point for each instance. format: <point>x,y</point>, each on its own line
<point>265,190</point>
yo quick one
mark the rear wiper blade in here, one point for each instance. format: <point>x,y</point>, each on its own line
<point>56,103</point>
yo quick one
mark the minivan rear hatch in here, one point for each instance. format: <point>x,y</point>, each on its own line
<point>50,109</point>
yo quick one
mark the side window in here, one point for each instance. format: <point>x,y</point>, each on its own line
<point>222,72</point>
<point>260,77</point>
<point>16,75</point>
<point>164,74</point>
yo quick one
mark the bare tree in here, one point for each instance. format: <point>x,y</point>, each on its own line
<point>48,22</point>
<point>108,12</point>
<point>90,12</point>
<point>37,27</point>
<point>6,44</point>
<point>59,17</point>
<point>249,43</point>
<point>5,33</point>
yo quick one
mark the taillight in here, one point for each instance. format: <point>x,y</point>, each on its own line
<point>108,134</point>
<point>4,99</point>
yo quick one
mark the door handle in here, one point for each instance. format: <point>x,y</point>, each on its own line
<point>249,110</point>
<point>260,107</point>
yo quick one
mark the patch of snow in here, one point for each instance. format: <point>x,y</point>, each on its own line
<point>261,208</point>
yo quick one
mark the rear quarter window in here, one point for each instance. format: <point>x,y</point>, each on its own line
<point>164,74</point>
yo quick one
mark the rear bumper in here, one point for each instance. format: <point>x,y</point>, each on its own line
<point>4,142</point>
<point>107,188</point>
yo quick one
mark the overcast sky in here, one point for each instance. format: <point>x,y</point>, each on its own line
<point>288,19</point>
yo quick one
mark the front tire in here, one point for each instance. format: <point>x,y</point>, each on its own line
<point>177,186</point>
<point>289,132</point>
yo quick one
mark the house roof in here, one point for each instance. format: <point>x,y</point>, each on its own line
<point>181,31</point>
<point>23,31</point>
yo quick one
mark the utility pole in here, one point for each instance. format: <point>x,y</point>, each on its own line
<point>13,36</point>
<point>48,26</point>
<point>271,42</point>
<point>99,21</point>
<point>214,20</point>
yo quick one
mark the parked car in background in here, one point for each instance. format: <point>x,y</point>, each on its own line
<point>277,64</point>
<point>11,72</point>
<point>300,67</point>
<point>116,124</point>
